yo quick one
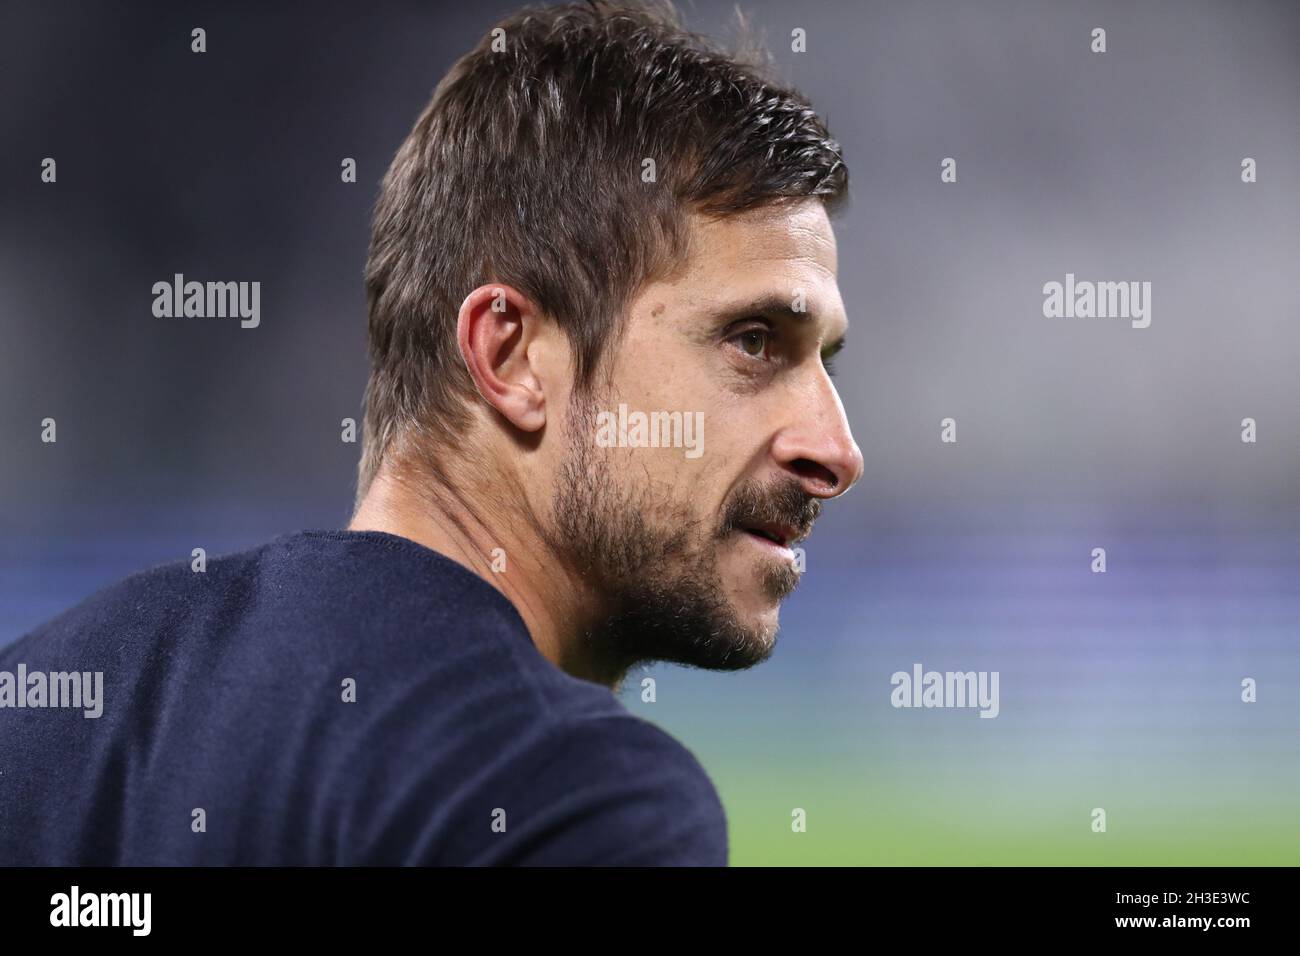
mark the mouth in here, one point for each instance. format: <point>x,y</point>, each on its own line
<point>773,535</point>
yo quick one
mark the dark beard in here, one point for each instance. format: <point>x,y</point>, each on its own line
<point>655,564</point>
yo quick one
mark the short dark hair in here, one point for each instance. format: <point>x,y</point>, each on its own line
<point>527,168</point>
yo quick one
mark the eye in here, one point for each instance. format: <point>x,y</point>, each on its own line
<point>828,356</point>
<point>754,342</point>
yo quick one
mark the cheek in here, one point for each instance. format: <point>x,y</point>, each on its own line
<point>661,386</point>
<point>684,435</point>
<point>735,433</point>
<point>670,490</point>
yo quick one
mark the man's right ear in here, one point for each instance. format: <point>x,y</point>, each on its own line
<point>498,330</point>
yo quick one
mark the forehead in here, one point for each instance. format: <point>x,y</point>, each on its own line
<point>794,238</point>
<point>772,253</point>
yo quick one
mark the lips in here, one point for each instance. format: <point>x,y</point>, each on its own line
<point>777,515</point>
<point>779,534</point>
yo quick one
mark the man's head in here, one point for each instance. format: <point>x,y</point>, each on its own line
<point>604,237</point>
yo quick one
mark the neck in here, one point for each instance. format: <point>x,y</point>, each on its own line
<point>503,547</point>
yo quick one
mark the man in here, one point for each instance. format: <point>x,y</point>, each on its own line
<point>602,305</point>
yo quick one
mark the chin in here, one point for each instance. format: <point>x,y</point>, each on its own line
<point>768,627</point>
<point>762,618</point>
<point>758,615</point>
<point>758,586</point>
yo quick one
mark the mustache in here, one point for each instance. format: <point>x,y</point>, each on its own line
<point>781,502</point>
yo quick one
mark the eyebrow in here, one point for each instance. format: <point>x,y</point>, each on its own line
<point>775,305</point>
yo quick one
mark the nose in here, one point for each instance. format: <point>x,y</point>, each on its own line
<point>817,446</point>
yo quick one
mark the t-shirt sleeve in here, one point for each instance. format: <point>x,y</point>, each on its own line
<point>609,791</point>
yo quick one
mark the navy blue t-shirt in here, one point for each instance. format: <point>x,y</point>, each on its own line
<point>227,736</point>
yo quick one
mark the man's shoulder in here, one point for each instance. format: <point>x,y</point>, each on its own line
<point>439,732</point>
<point>656,764</point>
<point>620,745</point>
<point>594,785</point>
<point>137,600</point>
<point>312,582</point>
